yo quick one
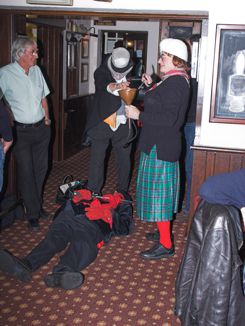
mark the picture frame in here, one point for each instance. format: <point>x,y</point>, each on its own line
<point>84,72</point>
<point>228,84</point>
<point>180,32</point>
<point>85,48</point>
<point>51,2</point>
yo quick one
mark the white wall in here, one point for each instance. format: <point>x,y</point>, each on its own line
<point>219,134</point>
<point>152,45</point>
<point>225,12</point>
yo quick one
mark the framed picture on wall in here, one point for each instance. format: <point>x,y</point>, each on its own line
<point>180,32</point>
<point>85,48</point>
<point>84,72</point>
<point>228,85</point>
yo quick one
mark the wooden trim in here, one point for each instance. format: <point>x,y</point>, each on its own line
<point>218,149</point>
<point>209,161</point>
<point>108,14</point>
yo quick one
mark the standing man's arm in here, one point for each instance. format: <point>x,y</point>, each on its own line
<point>46,111</point>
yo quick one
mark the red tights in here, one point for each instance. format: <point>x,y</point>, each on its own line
<point>164,231</point>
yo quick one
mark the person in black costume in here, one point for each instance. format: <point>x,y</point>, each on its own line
<point>107,123</point>
<point>85,228</point>
<point>189,130</point>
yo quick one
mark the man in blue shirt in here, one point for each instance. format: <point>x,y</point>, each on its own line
<point>225,189</point>
<point>25,89</point>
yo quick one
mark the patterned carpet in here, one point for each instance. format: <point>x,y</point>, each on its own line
<point>120,289</point>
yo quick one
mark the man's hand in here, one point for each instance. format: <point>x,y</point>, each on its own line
<point>6,145</point>
<point>117,86</point>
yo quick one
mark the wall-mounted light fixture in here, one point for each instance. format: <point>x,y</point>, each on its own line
<point>83,32</point>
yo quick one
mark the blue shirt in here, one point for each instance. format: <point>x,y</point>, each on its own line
<point>24,92</point>
<point>225,189</point>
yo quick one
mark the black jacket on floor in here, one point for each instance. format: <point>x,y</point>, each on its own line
<point>208,285</point>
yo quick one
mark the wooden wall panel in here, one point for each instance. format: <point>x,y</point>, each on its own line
<point>5,58</point>
<point>50,41</point>
<point>5,37</point>
<point>211,161</point>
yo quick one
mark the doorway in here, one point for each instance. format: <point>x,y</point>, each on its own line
<point>135,42</point>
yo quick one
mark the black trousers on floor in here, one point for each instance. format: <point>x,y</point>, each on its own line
<point>75,233</point>
<point>31,151</point>
<point>101,137</point>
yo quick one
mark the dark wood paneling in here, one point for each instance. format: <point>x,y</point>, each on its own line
<point>76,110</point>
<point>51,50</point>
<point>211,161</point>
<point>5,58</point>
<point>5,37</point>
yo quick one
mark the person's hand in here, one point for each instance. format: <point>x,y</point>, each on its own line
<point>47,122</point>
<point>117,86</point>
<point>6,145</point>
<point>132,112</point>
<point>146,79</point>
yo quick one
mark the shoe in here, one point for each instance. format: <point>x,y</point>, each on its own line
<point>43,214</point>
<point>14,266</point>
<point>158,251</point>
<point>33,224</point>
<point>64,280</point>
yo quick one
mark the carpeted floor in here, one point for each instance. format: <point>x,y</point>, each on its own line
<point>120,289</point>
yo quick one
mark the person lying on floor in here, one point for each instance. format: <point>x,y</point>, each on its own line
<point>225,189</point>
<point>81,226</point>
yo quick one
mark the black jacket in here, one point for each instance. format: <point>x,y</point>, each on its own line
<point>208,285</point>
<point>163,117</point>
<point>104,103</point>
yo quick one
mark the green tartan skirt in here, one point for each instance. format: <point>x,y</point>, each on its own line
<point>157,190</point>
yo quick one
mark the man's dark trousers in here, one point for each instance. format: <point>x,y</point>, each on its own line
<point>31,151</point>
<point>101,137</point>
<point>81,234</point>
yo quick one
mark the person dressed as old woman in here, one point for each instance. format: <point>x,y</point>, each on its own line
<point>165,107</point>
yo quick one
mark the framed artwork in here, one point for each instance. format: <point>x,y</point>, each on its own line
<point>85,48</point>
<point>84,72</point>
<point>181,32</point>
<point>228,85</point>
<point>51,2</point>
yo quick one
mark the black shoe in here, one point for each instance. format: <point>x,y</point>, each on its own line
<point>154,236</point>
<point>43,214</point>
<point>14,266</point>
<point>64,280</point>
<point>158,251</point>
<point>33,224</point>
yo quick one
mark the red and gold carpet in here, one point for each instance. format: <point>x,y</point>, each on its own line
<point>120,289</point>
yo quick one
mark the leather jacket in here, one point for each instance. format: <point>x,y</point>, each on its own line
<point>208,285</point>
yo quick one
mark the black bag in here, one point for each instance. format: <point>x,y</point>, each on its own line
<point>66,190</point>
